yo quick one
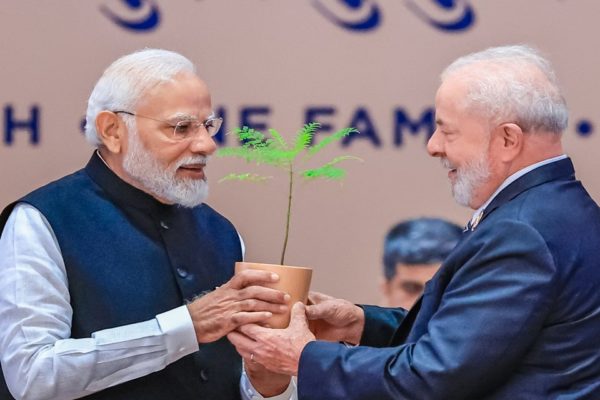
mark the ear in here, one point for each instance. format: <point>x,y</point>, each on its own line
<point>511,141</point>
<point>111,131</point>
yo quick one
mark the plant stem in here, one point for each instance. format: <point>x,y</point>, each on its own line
<point>289,214</point>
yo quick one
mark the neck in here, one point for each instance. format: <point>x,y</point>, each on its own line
<point>538,146</point>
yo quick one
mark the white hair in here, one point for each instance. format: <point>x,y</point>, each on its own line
<point>126,80</point>
<point>512,84</point>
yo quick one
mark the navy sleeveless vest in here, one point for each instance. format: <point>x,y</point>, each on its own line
<point>128,258</point>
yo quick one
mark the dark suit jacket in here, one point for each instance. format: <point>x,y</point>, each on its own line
<point>513,313</point>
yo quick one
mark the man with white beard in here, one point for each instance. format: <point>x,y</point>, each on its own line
<point>514,310</point>
<point>116,281</point>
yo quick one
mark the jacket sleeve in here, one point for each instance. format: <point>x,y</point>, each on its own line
<point>380,325</point>
<point>489,314</point>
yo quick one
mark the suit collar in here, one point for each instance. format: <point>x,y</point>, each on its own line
<point>562,169</point>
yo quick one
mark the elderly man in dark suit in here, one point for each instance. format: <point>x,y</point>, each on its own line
<point>514,311</point>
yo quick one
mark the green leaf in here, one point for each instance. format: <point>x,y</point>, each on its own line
<point>251,138</point>
<point>330,139</point>
<point>278,139</point>
<point>245,177</point>
<point>329,170</point>
<point>244,153</point>
<point>326,171</point>
<point>305,136</point>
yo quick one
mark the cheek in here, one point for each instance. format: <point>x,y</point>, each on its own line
<point>167,156</point>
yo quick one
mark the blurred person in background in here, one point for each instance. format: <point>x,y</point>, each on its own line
<point>412,253</point>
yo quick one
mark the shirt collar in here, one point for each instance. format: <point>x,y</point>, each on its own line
<point>477,214</point>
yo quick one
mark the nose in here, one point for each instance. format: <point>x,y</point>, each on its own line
<point>434,145</point>
<point>203,144</point>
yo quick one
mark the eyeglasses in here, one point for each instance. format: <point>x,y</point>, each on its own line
<point>187,128</point>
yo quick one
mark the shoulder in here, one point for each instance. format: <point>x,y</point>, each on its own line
<point>503,248</point>
<point>62,187</point>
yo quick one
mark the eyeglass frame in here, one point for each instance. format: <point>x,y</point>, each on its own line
<point>170,124</point>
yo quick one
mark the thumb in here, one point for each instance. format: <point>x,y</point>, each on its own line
<point>298,316</point>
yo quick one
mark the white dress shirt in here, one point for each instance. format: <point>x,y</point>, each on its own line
<point>38,357</point>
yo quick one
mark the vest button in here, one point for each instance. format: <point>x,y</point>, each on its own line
<point>204,375</point>
<point>164,225</point>
<point>182,272</point>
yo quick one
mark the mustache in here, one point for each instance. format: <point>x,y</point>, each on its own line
<point>446,163</point>
<point>192,160</point>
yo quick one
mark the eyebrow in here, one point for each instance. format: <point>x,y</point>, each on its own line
<point>186,117</point>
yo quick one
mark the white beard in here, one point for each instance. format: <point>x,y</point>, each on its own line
<point>468,178</point>
<point>162,182</point>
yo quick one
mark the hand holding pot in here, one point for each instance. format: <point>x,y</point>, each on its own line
<point>335,320</point>
<point>242,300</point>
<point>277,349</point>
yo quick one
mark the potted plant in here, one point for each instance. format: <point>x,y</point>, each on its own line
<point>274,151</point>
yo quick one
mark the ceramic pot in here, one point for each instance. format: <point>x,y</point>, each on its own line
<point>294,281</point>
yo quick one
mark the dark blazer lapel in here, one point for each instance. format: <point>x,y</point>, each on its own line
<point>562,169</point>
<point>405,327</point>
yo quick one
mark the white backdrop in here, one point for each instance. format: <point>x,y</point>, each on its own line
<point>269,63</point>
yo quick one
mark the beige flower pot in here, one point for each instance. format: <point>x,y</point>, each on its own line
<point>294,281</point>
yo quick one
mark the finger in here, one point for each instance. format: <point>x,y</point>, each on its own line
<point>250,277</point>
<point>242,343</point>
<point>259,305</point>
<point>252,331</point>
<point>318,297</point>
<point>319,311</point>
<point>245,317</point>
<point>298,317</point>
<point>265,294</point>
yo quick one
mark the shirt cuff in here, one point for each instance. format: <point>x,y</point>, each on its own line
<point>179,333</point>
<point>249,393</point>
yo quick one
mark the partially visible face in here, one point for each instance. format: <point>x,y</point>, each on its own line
<point>404,289</point>
<point>462,141</point>
<point>172,171</point>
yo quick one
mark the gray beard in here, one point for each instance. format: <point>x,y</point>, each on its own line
<point>161,182</point>
<point>468,178</point>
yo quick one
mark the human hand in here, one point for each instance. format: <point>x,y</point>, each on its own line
<point>334,320</point>
<point>238,302</point>
<point>267,383</point>
<point>278,350</point>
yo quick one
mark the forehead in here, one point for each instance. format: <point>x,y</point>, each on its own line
<point>452,109</point>
<point>184,94</point>
<point>450,96</point>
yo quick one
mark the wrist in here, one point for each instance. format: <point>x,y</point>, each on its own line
<point>265,382</point>
<point>355,333</point>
